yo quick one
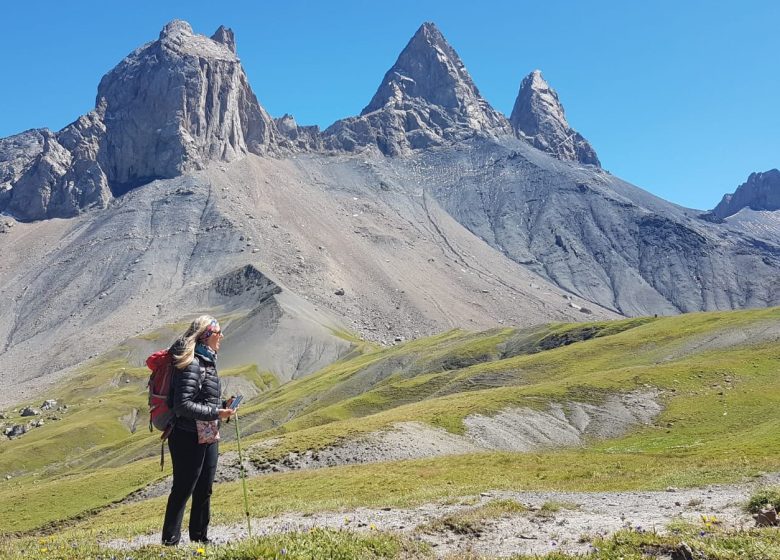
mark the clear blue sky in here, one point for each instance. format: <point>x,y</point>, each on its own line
<point>681,98</point>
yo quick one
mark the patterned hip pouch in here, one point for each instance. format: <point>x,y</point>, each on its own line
<point>208,431</point>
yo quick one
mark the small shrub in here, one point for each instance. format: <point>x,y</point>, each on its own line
<point>763,497</point>
<point>472,521</point>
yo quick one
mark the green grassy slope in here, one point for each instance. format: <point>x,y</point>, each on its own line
<point>717,374</point>
<point>97,451</point>
<point>690,358</point>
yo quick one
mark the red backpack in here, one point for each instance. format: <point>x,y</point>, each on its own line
<point>160,413</point>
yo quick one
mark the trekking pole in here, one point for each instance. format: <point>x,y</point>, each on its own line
<point>243,479</point>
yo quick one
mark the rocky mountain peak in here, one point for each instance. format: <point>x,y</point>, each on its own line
<point>169,107</point>
<point>427,98</point>
<point>429,33</point>
<point>174,29</point>
<point>225,36</point>
<point>538,117</point>
<point>760,192</point>
<point>176,104</point>
<point>178,37</point>
<point>429,69</point>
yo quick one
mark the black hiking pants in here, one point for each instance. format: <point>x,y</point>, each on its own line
<point>194,466</point>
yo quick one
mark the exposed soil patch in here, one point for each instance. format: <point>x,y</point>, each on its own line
<point>569,424</point>
<point>753,334</point>
<point>516,429</point>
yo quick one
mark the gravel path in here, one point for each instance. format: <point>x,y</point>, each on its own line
<point>531,532</point>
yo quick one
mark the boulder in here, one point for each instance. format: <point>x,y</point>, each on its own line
<point>16,431</point>
<point>48,404</point>
<point>767,517</point>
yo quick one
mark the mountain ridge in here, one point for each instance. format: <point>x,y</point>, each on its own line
<point>141,129</point>
<point>477,228</point>
<point>404,267</point>
<point>761,191</point>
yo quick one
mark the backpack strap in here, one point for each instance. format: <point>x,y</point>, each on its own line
<point>163,437</point>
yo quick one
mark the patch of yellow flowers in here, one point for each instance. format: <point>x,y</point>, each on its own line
<point>710,520</point>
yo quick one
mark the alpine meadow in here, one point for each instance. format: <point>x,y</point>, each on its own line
<point>455,333</point>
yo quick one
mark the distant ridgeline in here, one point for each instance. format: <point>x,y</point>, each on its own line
<point>760,192</point>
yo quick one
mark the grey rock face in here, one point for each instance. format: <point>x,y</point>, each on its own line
<point>171,106</point>
<point>760,192</point>
<point>35,159</point>
<point>17,154</point>
<point>175,104</point>
<point>225,36</point>
<point>597,236</point>
<point>426,99</point>
<point>61,181</point>
<point>538,117</point>
<point>245,280</point>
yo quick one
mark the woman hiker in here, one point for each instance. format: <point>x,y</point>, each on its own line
<point>193,442</point>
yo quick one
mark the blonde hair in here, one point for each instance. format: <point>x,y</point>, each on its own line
<point>185,344</point>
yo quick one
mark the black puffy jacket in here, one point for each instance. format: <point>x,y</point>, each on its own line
<point>196,393</point>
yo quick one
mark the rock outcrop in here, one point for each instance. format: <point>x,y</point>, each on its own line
<point>177,103</point>
<point>760,192</point>
<point>17,154</point>
<point>169,107</point>
<point>61,175</point>
<point>426,99</point>
<point>182,101</point>
<point>538,117</point>
<point>303,138</point>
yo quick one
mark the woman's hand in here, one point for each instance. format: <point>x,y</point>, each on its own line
<point>226,413</point>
